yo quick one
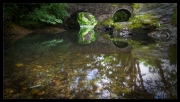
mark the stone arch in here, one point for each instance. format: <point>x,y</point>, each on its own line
<point>121,15</point>
<point>72,23</point>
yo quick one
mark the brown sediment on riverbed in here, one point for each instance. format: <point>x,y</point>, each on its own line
<point>13,32</point>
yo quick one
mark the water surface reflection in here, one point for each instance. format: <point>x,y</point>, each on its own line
<point>56,67</point>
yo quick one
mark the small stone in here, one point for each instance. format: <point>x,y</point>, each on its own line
<point>41,93</point>
<point>11,91</point>
<point>49,75</point>
<point>39,66</point>
<point>35,91</point>
<point>19,64</point>
<point>57,82</point>
<point>24,88</point>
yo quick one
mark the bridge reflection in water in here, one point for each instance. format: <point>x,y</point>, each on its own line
<point>85,65</point>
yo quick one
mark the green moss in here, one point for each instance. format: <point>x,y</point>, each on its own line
<point>106,36</point>
<point>136,21</point>
<point>136,5</point>
<point>139,20</point>
<point>86,35</point>
<point>113,4</point>
<point>108,21</point>
<point>174,18</point>
<point>85,18</point>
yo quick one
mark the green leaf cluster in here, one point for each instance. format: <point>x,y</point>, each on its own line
<point>51,13</point>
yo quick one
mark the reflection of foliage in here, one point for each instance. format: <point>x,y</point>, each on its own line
<point>148,62</point>
<point>19,51</point>
<point>135,44</point>
<point>120,16</point>
<point>168,81</point>
<point>45,46</point>
<point>120,44</point>
<point>126,60</point>
<point>85,18</point>
<point>62,46</point>
<point>146,55</point>
<point>106,36</point>
<point>174,18</point>
<point>173,54</point>
<point>108,21</point>
<point>86,35</point>
<point>14,51</point>
<point>108,59</point>
<point>29,38</point>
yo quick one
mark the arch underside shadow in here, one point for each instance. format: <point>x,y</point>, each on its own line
<point>71,22</point>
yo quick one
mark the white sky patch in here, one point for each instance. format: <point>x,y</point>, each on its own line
<point>88,65</point>
<point>108,67</point>
<point>110,72</point>
<point>151,79</point>
<point>91,74</point>
<point>103,64</point>
<point>105,94</point>
<point>124,83</point>
<point>146,75</point>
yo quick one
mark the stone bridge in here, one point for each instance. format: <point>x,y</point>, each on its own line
<point>100,11</point>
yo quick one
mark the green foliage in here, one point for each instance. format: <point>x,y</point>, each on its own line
<point>50,13</point>
<point>44,12</point>
<point>8,12</point>
<point>174,18</point>
<point>120,16</point>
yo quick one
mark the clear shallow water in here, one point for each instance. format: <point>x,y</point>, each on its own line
<point>58,67</point>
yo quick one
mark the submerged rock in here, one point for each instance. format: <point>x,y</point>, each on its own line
<point>163,34</point>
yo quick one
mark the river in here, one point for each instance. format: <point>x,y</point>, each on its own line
<point>64,66</point>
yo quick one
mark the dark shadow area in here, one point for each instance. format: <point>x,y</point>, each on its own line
<point>71,22</point>
<point>121,15</point>
<point>143,38</point>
